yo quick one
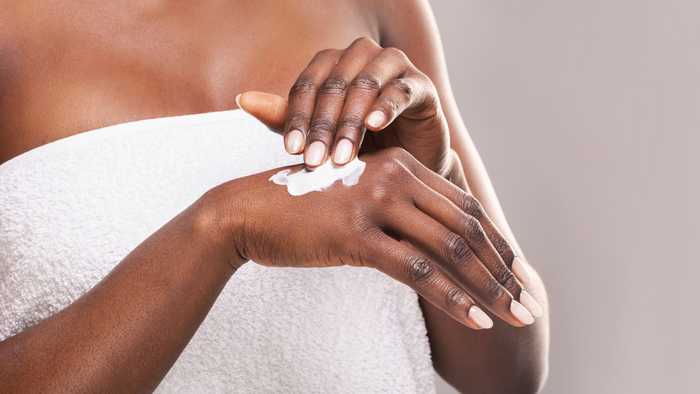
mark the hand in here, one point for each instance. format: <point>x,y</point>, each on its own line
<point>343,93</point>
<point>401,218</point>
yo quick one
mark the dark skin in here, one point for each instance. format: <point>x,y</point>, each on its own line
<point>76,66</point>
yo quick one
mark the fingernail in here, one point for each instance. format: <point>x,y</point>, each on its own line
<point>315,153</point>
<point>376,119</point>
<point>478,317</point>
<point>343,151</point>
<point>520,270</point>
<point>521,313</point>
<point>294,141</point>
<point>531,304</point>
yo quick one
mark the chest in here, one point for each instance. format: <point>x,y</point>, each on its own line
<point>69,68</point>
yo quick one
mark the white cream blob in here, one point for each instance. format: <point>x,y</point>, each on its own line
<point>323,176</point>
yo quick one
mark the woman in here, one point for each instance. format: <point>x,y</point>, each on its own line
<point>423,216</point>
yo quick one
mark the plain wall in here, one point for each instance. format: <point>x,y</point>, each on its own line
<point>587,114</point>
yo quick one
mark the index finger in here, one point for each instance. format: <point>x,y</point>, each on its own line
<point>364,90</point>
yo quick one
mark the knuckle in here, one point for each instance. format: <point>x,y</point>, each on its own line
<point>492,290</point>
<point>320,128</point>
<point>508,280</point>
<point>383,190</point>
<point>469,204</point>
<point>403,87</point>
<point>381,195</point>
<point>362,227</point>
<point>455,296</point>
<point>503,249</point>
<point>391,106</point>
<point>473,229</point>
<point>392,169</point>
<point>326,53</point>
<point>456,249</point>
<point>298,119</point>
<point>363,40</point>
<point>335,86</point>
<point>397,53</point>
<point>430,106</point>
<point>303,85</point>
<point>419,269</point>
<point>351,121</point>
<point>366,82</point>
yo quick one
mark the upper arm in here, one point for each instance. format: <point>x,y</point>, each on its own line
<point>410,26</point>
<point>463,357</point>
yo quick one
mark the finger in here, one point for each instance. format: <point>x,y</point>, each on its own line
<point>268,108</point>
<point>461,262</point>
<point>467,226</point>
<point>302,98</point>
<point>409,266</point>
<point>330,99</point>
<point>364,89</point>
<point>414,91</point>
<point>492,247</point>
<point>467,203</point>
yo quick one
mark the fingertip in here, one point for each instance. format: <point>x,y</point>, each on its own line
<point>531,304</point>
<point>294,141</point>
<point>343,151</point>
<point>479,318</point>
<point>521,271</point>
<point>315,153</point>
<point>521,313</point>
<point>376,120</point>
<point>270,108</point>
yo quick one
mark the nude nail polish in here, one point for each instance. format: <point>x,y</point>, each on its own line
<point>521,313</point>
<point>478,317</point>
<point>343,151</point>
<point>531,304</point>
<point>376,119</point>
<point>294,141</point>
<point>520,270</point>
<point>315,153</point>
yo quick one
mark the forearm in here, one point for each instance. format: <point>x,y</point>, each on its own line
<point>126,332</point>
<point>505,358</point>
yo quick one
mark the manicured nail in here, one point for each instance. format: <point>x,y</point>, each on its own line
<point>520,270</point>
<point>343,151</point>
<point>315,153</point>
<point>238,100</point>
<point>478,317</point>
<point>521,313</point>
<point>294,141</point>
<point>376,119</point>
<point>531,304</point>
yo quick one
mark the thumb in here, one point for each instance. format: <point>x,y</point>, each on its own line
<point>268,108</point>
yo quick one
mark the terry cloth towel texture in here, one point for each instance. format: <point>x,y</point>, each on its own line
<point>72,209</point>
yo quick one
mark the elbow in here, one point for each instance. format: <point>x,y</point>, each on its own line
<point>531,382</point>
<point>527,378</point>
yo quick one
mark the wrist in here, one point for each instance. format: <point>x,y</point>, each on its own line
<point>220,221</point>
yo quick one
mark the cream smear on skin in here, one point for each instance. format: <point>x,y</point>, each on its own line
<point>304,181</point>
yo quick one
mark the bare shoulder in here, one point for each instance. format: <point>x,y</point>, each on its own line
<point>398,17</point>
<point>9,46</point>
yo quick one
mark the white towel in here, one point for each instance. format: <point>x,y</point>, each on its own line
<point>72,209</point>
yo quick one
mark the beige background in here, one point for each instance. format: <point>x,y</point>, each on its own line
<point>587,114</point>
